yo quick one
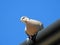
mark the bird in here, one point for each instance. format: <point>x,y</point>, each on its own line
<point>32,27</point>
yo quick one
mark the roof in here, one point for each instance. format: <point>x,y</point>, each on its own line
<point>47,36</point>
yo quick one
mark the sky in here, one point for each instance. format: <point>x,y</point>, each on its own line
<point>12,29</point>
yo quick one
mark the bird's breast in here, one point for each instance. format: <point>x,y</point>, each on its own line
<point>31,30</point>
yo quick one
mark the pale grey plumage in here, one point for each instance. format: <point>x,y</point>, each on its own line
<point>32,26</point>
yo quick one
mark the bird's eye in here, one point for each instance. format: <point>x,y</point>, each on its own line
<point>23,18</point>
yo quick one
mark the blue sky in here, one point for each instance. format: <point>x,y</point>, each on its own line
<point>12,30</point>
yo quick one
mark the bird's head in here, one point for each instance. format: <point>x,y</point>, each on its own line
<point>24,19</point>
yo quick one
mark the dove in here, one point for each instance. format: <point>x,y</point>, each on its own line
<point>32,27</point>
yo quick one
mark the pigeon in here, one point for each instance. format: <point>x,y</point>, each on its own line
<point>32,27</point>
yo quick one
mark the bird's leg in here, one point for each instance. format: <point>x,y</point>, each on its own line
<point>30,37</point>
<point>33,38</point>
